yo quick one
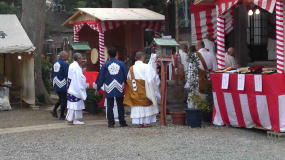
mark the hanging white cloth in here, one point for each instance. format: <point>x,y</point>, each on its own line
<point>184,59</point>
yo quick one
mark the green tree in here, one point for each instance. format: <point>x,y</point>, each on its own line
<point>6,8</point>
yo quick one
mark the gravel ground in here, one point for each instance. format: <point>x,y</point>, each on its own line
<point>98,142</point>
<point>165,143</point>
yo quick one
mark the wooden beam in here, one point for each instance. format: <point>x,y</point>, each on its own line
<point>204,2</point>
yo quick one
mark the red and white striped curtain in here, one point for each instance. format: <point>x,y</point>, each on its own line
<point>222,6</point>
<point>204,22</point>
<point>267,5</point>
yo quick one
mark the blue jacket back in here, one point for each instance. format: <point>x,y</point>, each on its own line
<point>112,77</point>
<point>59,76</point>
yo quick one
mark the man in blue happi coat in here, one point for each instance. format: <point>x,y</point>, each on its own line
<point>112,77</point>
<point>59,75</point>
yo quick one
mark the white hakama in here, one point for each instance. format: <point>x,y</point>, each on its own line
<point>74,111</point>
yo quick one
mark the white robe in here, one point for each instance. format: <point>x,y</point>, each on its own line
<point>230,61</point>
<point>142,114</point>
<point>76,88</point>
<point>184,59</point>
<point>210,60</point>
<point>271,48</point>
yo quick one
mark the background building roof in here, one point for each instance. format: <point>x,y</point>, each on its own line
<point>117,14</point>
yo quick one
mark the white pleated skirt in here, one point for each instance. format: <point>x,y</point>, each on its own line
<point>144,120</point>
<point>74,115</point>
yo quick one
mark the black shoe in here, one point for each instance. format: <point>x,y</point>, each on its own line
<point>54,114</point>
<point>62,118</point>
<point>124,125</point>
<point>111,126</point>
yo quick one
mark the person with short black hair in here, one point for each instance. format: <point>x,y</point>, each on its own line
<point>59,74</point>
<point>112,78</point>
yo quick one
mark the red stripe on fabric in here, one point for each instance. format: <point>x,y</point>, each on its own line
<point>253,109</point>
<point>198,8</point>
<point>278,25</point>
<point>106,26</point>
<point>87,21</point>
<point>198,26</point>
<point>238,109</point>
<point>223,109</point>
<point>280,50</point>
<point>260,3</point>
<point>209,23</point>
<point>272,101</point>
<point>279,45</point>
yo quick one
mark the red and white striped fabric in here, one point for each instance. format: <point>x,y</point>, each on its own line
<point>280,36</point>
<point>222,6</point>
<point>249,108</point>
<point>265,4</point>
<point>204,22</point>
<point>103,26</point>
<point>221,42</point>
<point>102,48</point>
<point>76,29</point>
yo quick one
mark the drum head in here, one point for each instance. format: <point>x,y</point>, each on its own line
<point>94,56</point>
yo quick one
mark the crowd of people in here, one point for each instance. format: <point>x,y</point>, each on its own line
<point>137,86</point>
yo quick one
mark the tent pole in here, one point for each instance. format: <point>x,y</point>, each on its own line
<point>221,42</point>
<point>101,48</point>
<point>280,36</point>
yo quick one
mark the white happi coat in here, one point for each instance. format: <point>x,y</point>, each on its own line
<point>146,72</point>
<point>210,60</point>
<point>77,86</point>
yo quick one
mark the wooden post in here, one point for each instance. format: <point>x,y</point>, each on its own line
<point>163,93</point>
<point>176,21</point>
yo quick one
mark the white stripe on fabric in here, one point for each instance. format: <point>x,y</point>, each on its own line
<point>281,100</point>
<point>263,113</point>
<point>245,111</point>
<point>193,28</point>
<point>203,22</point>
<point>272,4</point>
<point>264,2</point>
<point>217,119</point>
<point>231,109</point>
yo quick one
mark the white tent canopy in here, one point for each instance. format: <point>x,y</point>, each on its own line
<point>16,56</point>
<point>16,39</point>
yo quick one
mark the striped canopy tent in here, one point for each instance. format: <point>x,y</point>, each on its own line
<point>223,6</point>
<point>103,20</point>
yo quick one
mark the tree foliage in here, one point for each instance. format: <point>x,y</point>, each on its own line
<point>6,8</point>
<point>71,5</point>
